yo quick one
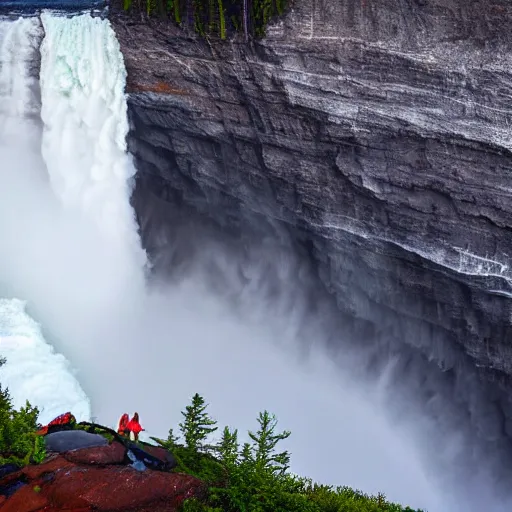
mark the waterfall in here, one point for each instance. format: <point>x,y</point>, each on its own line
<point>85,126</point>
<point>33,370</point>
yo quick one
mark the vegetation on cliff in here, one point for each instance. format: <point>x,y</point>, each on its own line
<point>213,17</point>
<point>18,442</point>
<point>242,477</point>
<point>253,476</point>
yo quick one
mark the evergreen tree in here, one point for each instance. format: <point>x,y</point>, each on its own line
<point>5,399</point>
<point>22,428</point>
<point>264,444</point>
<point>228,447</point>
<point>197,424</point>
<point>17,429</point>
<point>172,439</point>
<point>5,419</point>
<point>170,443</point>
<point>246,454</point>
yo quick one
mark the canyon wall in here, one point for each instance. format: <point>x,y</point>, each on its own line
<point>378,133</point>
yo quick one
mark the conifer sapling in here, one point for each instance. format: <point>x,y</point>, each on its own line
<point>172,439</point>
<point>264,444</point>
<point>228,447</point>
<point>197,424</point>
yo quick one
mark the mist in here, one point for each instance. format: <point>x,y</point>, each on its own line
<point>241,331</point>
<point>150,350</point>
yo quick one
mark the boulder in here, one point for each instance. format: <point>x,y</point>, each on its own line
<point>26,499</point>
<point>34,472</point>
<point>92,479</point>
<point>73,440</point>
<point>161,453</point>
<point>122,488</point>
<point>7,469</point>
<point>111,454</point>
<point>152,456</point>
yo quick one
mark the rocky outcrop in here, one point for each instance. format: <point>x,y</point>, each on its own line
<point>379,133</point>
<point>93,479</point>
<point>113,453</point>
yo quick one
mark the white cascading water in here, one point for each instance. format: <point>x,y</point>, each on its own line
<point>69,246</point>
<point>33,371</point>
<point>85,127</point>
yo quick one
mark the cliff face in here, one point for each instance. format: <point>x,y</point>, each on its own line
<point>377,131</point>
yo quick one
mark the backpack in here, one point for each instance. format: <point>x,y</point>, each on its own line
<point>65,421</point>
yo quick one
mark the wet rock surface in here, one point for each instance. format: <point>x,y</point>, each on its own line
<point>378,134</point>
<point>114,453</point>
<point>81,485</point>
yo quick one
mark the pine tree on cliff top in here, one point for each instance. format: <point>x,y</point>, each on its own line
<point>197,425</point>
<point>264,444</point>
<point>228,447</point>
<point>5,399</point>
<point>17,428</point>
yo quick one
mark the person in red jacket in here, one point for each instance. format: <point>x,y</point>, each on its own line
<point>134,427</point>
<point>122,425</point>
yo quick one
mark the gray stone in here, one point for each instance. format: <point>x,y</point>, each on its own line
<point>379,133</point>
<point>68,440</point>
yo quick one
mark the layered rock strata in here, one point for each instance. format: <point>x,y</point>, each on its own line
<point>378,133</point>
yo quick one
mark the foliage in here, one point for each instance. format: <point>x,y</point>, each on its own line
<point>253,476</point>
<point>96,429</point>
<point>39,450</point>
<point>18,441</point>
<point>213,17</point>
<point>197,425</point>
<point>265,441</point>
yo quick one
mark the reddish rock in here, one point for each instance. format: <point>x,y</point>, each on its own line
<point>36,471</point>
<point>110,454</point>
<point>2,499</point>
<point>12,477</point>
<point>158,452</point>
<point>86,509</point>
<point>122,488</point>
<point>65,486</point>
<point>25,500</point>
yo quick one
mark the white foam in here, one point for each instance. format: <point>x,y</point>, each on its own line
<point>19,40</point>
<point>33,370</point>
<point>85,126</point>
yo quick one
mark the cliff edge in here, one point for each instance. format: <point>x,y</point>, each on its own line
<point>379,133</point>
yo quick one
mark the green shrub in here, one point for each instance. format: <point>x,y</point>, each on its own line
<point>254,477</point>
<point>18,441</point>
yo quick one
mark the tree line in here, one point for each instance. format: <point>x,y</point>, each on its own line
<point>213,17</point>
<point>252,476</point>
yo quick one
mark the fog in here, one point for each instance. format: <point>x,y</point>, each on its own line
<point>150,351</point>
<point>240,332</point>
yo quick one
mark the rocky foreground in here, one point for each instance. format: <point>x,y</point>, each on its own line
<point>95,479</point>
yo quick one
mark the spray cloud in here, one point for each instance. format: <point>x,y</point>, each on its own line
<point>69,246</point>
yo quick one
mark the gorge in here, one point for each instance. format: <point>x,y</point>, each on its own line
<point>378,134</point>
<point>340,185</point>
